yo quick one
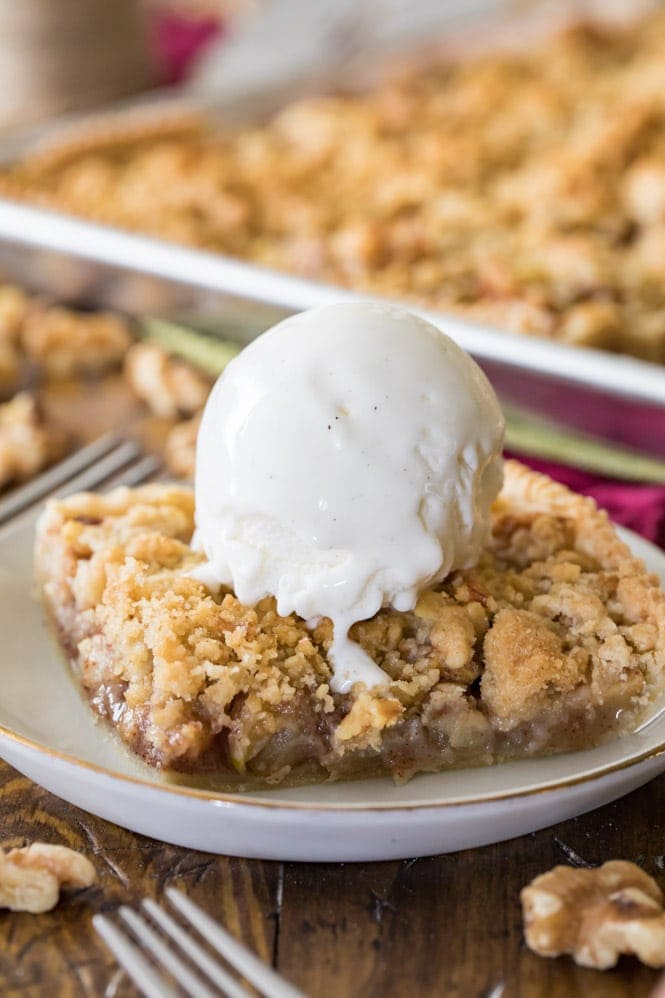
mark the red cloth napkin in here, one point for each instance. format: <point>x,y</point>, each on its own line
<point>640,507</point>
<point>177,41</point>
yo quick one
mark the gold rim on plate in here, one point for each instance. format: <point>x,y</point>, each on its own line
<point>239,799</point>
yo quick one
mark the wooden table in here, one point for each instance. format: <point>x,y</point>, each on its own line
<point>444,926</point>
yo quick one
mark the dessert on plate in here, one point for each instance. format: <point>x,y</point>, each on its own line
<point>350,589</point>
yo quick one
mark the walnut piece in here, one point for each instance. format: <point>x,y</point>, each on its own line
<point>180,447</point>
<point>13,309</point>
<point>9,365</point>
<point>526,666</point>
<point>27,443</point>
<point>547,219</point>
<point>31,877</point>
<point>596,915</point>
<point>14,306</point>
<point>66,343</point>
<point>170,387</point>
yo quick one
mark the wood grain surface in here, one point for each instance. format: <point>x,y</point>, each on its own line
<point>444,926</point>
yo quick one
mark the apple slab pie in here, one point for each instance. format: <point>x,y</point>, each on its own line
<point>554,641</point>
<point>524,189</point>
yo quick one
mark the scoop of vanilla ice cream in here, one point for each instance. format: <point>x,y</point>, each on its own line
<point>346,459</point>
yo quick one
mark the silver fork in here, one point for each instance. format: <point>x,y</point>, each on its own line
<point>145,972</point>
<point>110,458</point>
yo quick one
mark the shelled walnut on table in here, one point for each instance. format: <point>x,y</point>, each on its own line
<point>596,915</point>
<point>67,375</point>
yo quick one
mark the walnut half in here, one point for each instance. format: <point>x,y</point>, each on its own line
<point>170,387</point>
<point>180,447</point>
<point>28,442</point>
<point>596,915</point>
<point>31,878</point>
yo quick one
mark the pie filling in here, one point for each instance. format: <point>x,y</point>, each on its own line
<point>554,641</point>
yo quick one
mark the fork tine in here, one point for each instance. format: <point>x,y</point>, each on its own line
<point>136,473</point>
<point>97,473</point>
<point>190,981</point>
<point>57,475</point>
<point>249,965</point>
<point>218,975</point>
<point>141,972</point>
<point>123,466</point>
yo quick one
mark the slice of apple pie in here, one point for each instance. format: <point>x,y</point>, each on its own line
<point>554,641</point>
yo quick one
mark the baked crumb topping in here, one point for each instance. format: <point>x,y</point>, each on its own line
<point>596,915</point>
<point>526,189</point>
<point>556,639</point>
<point>61,342</point>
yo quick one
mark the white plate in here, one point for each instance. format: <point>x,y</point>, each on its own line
<point>49,734</point>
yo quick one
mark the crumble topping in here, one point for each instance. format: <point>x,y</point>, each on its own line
<point>41,343</point>
<point>525,189</point>
<point>9,365</point>
<point>596,915</point>
<point>31,877</point>
<point>556,639</point>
